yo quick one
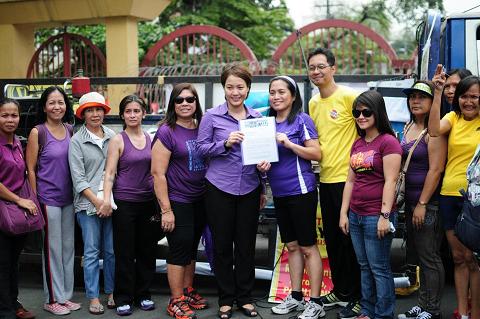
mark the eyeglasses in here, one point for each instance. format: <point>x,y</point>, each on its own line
<point>469,97</point>
<point>320,67</point>
<point>365,112</point>
<point>189,99</point>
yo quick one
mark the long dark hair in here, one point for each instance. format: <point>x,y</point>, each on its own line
<point>171,117</point>
<point>297,105</point>
<point>462,87</point>
<point>127,100</point>
<point>432,89</point>
<point>42,116</point>
<point>375,102</point>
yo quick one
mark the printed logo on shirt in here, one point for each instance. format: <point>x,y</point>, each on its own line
<point>362,161</point>
<point>195,162</point>
<point>334,114</point>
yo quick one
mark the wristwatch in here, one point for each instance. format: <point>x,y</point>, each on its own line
<point>385,215</point>
<point>225,144</point>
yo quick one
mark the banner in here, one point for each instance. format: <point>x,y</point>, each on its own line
<point>280,287</point>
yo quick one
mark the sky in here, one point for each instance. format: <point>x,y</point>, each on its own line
<point>303,12</point>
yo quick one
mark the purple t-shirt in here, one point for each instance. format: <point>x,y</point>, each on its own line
<point>293,175</point>
<point>134,182</point>
<point>417,171</point>
<point>366,160</point>
<point>186,170</point>
<point>54,184</point>
<point>12,163</point>
<point>225,168</point>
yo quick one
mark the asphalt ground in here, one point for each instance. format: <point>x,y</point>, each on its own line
<point>31,295</point>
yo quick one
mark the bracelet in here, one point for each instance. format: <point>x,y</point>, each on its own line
<point>163,212</point>
<point>423,204</point>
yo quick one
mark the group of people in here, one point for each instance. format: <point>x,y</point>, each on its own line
<point>126,190</point>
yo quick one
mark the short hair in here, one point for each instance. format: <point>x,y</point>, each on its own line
<point>171,117</point>
<point>462,87</point>
<point>9,100</point>
<point>297,105</point>
<point>42,116</point>
<point>326,52</point>
<point>127,100</point>
<point>375,102</point>
<point>238,70</point>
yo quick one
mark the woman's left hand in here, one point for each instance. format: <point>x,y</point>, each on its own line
<point>168,222</point>
<point>383,227</point>
<point>418,218</point>
<point>263,166</point>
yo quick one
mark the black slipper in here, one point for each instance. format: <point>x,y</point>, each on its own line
<point>225,314</point>
<point>250,312</point>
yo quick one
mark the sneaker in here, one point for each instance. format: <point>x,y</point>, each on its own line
<point>72,306</point>
<point>146,305</point>
<point>411,314</point>
<point>350,311</point>
<point>194,299</point>
<point>288,305</point>
<point>312,311</point>
<point>56,309</point>
<point>428,315</point>
<point>124,310</point>
<point>332,301</point>
<point>178,308</point>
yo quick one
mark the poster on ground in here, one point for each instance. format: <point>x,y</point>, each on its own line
<point>280,286</point>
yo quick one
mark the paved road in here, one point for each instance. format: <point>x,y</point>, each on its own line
<point>31,294</point>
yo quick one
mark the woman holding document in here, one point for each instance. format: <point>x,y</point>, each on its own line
<point>294,191</point>
<point>86,156</point>
<point>233,193</point>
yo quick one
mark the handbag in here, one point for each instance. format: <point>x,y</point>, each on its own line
<point>400,184</point>
<point>16,220</point>
<point>467,228</point>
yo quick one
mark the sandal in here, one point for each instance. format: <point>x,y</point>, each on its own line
<point>227,314</point>
<point>111,303</point>
<point>249,312</point>
<point>96,309</point>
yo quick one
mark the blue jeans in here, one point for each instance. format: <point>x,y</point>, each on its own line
<point>97,237</point>
<point>373,255</point>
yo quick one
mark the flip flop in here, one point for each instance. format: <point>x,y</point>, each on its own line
<point>96,309</point>
<point>227,314</point>
<point>111,303</point>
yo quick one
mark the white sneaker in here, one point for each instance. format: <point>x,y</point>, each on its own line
<point>288,305</point>
<point>312,311</point>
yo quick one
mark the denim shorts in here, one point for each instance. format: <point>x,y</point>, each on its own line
<point>450,208</point>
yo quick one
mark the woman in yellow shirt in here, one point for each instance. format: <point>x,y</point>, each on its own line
<point>462,126</point>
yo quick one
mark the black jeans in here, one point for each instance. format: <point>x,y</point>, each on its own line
<point>233,220</point>
<point>10,248</point>
<point>135,243</point>
<point>341,256</point>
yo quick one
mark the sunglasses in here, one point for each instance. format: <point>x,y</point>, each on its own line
<point>365,112</point>
<point>189,99</point>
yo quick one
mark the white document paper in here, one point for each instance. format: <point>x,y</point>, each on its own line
<point>259,143</point>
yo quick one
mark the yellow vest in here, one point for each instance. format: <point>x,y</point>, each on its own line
<point>462,143</point>
<point>336,132</point>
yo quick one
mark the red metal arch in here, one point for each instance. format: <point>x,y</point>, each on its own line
<point>336,23</point>
<point>92,60</point>
<point>246,52</point>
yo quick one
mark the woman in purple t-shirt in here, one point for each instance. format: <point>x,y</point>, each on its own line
<point>368,203</point>
<point>135,234</point>
<point>179,180</point>
<point>295,194</point>
<point>49,175</point>
<point>12,177</point>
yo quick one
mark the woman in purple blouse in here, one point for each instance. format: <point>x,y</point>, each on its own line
<point>233,195</point>
<point>12,177</point>
<point>179,180</point>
